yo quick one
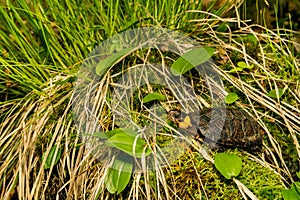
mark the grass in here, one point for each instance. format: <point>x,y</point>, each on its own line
<point>43,46</point>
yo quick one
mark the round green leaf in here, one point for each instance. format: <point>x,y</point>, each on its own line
<point>118,176</point>
<point>191,59</point>
<point>222,27</point>
<point>129,144</point>
<point>237,69</point>
<point>229,165</point>
<point>52,157</point>
<point>273,94</point>
<point>154,96</point>
<point>290,194</point>
<point>109,134</point>
<point>242,65</point>
<point>111,60</point>
<point>298,174</point>
<point>231,97</point>
<point>296,186</point>
<point>250,38</point>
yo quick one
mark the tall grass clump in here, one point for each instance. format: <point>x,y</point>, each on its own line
<point>43,45</point>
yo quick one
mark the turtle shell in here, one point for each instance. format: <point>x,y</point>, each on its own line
<point>222,128</point>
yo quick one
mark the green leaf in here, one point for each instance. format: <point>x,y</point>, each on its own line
<point>296,186</point>
<point>228,165</point>
<point>252,39</point>
<point>222,27</point>
<point>249,38</point>
<point>111,60</point>
<point>52,157</point>
<point>244,65</point>
<point>118,176</point>
<point>293,193</point>
<point>100,135</point>
<point>241,66</point>
<point>237,69</point>
<point>290,194</point>
<point>191,59</point>
<point>298,174</point>
<point>109,134</point>
<point>180,66</point>
<point>129,143</point>
<point>231,97</point>
<point>272,93</point>
<point>154,96</point>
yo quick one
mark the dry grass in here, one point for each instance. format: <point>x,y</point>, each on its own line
<point>33,125</point>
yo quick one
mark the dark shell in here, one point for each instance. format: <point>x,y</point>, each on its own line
<point>222,128</point>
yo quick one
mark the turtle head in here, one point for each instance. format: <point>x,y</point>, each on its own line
<point>175,116</point>
<point>182,120</point>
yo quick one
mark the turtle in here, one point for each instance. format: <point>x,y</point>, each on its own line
<point>220,128</point>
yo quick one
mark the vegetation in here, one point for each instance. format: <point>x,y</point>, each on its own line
<point>43,153</point>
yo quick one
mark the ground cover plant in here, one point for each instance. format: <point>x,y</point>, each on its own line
<point>43,46</point>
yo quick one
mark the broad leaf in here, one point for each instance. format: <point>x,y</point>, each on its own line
<point>52,157</point>
<point>293,193</point>
<point>296,186</point>
<point>223,27</point>
<point>191,59</point>
<point>154,96</point>
<point>231,97</point>
<point>109,134</point>
<point>241,67</point>
<point>180,66</point>
<point>237,69</point>
<point>103,65</point>
<point>229,165</point>
<point>118,176</point>
<point>273,94</point>
<point>298,174</point>
<point>250,39</point>
<point>244,65</point>
<point>128,143</point>
<point>100,135</point>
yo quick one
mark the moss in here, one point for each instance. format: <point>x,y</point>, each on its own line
<point>262,181</point>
